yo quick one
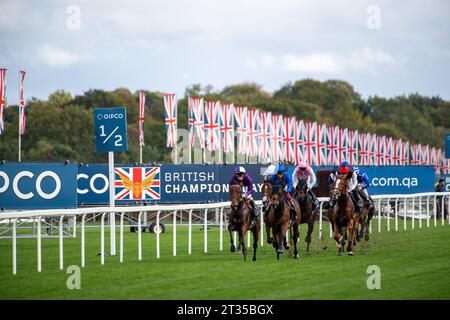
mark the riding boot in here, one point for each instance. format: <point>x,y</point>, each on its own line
<point>255,212</point>
<point>357,201</point>
<point>293,211</point>
<point>314,199</point>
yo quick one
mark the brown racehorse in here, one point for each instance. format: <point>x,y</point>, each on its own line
<point>363,219</point>
<point>266,191</point>
<point>278,218</point>
<point>306,206</point>
<point>341,216</point>
<point>240,220</point>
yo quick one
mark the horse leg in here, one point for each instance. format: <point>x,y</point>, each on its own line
<point>310,231</point>
<point>337,237</point>
<point>233,248</point>
<point>269,238</point>
<point>286,243</point>
<point>341,240</point>
<point>351,230</point>
<point>295,237</point>
<point>242,243</point>
<point>369,218</point>
<point>282,235</point>
<point>255,232</point>
<point>357,222</point>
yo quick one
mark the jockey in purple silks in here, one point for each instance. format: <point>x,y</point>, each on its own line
<point>240,177</point>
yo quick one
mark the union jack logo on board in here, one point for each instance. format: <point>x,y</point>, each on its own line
<point>137,183</point>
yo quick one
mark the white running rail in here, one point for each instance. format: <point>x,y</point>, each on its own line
<point>404,207</point>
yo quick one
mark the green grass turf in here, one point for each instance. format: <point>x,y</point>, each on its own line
<point>414,265</point>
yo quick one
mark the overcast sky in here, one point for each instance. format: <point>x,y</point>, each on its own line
<point>385,48</point>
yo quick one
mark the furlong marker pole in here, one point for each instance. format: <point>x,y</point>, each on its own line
<point>112,215</point>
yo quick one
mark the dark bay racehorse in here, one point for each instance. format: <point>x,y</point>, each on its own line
<point>266,191</point>
<point>278,219</point>
<point>240,219</point>
<point>363,220</point>
<point>306,207</point>
<point>341,216</point>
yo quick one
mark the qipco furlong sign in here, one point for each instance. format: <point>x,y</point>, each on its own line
<point>38,186</point>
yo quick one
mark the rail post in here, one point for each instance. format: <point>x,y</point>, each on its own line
<point>61,248</point>
<point>39,247</point>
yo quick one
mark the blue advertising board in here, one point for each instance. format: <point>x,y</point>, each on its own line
<point>110,129</point>
<point>447,146</point>
<point>38,185</point>
<point>209,183</point>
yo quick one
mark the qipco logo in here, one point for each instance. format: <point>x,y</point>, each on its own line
<point>47,184</point>
<point>108,116</point>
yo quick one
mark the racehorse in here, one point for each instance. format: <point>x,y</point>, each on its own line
<point>341,216</point>
<point>240,220</point>
<point>266,191</point>
<point>278,219</point>
<point>306,206</point>
<point>363,219</point>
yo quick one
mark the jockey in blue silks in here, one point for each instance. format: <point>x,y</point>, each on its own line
<point>363,184</point>
<point>284,181</point>
<point>240,177</point>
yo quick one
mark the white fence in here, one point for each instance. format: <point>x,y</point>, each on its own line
<point>417,207</point>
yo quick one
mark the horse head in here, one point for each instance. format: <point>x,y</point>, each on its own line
<point>235,196</point>
<point>277,197</point>
<point>302,188</point>
<point>338,189</point>
<point>266,191</point>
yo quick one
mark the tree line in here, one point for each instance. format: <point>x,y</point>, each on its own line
<point>62,127</point>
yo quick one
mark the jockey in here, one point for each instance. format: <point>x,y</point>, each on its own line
<point>285,182</point>
<point>240,177</point>
<point>304,171</point>
<point>270,171</point>
<point>363,184</point>
<point>352,182</point>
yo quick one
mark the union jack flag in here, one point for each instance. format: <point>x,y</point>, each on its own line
<point>373,150</point>
<point>390,151</point>
<point>227,126</point>
<point>277,121</point>
<point>288,130</point>
<point>141,117</point>
<point>212,110</point>
<point>170,106</point>
<point>381,151</point>
<point>240,113</point>
<point>316,136</point>
<point>252,131</point>
<point>137,183</point>
<point>197,113</point>
<point>397,154</point>
<point>22,116</point>
<point>405,153</point>
<point>434,159</point>
<point>191,121</point>
<point>415,155</point>
<point>265,120</point>
<point>353,147</point>
<point>425,155</point>
<point>299,141</point>
<point>343,145</point>
<point>2,96</point>
<point>332,145</point>
<point>364,145</point>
